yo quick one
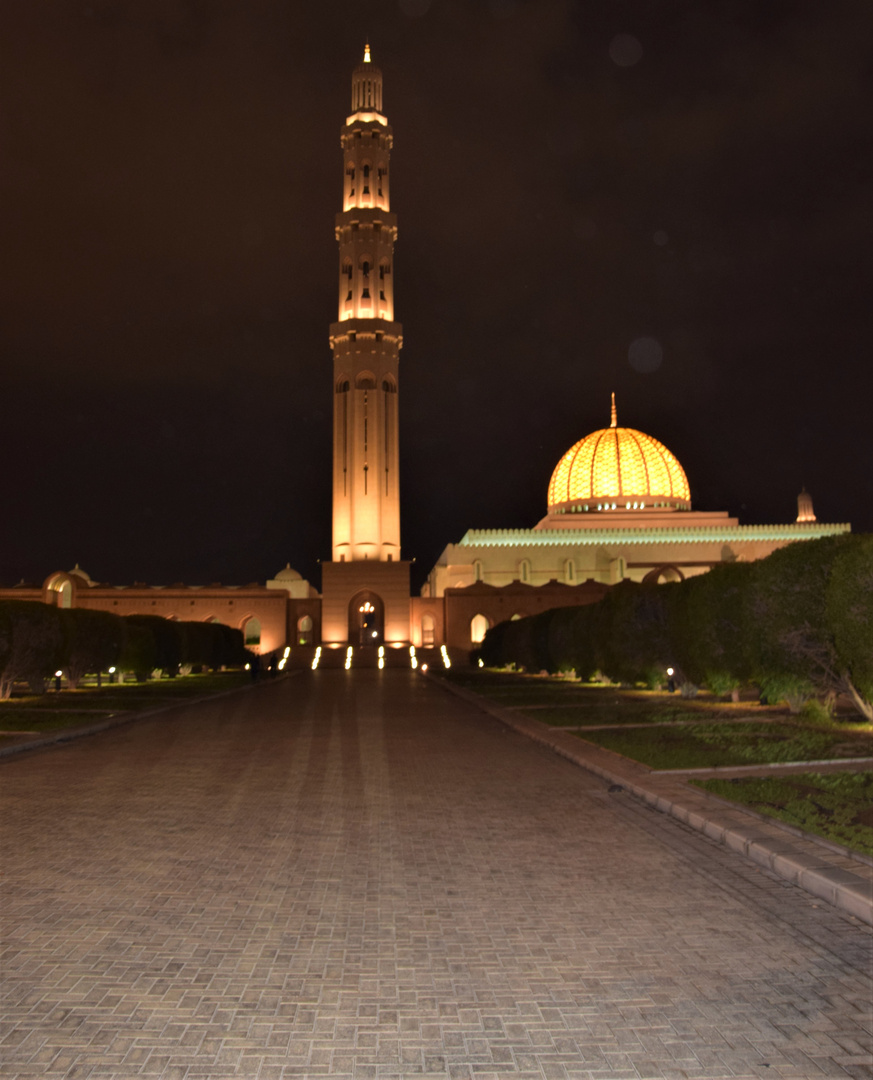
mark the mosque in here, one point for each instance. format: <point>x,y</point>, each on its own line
<point>618,507</point>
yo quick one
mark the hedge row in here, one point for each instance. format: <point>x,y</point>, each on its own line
<point>37,640</point>
<point>798,625</point>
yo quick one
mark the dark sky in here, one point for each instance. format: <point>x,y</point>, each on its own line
<point>570,177</point>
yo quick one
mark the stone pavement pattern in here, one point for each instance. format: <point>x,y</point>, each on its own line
<point>356,875</point>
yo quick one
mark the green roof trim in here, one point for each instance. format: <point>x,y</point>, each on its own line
<point>700,534</point>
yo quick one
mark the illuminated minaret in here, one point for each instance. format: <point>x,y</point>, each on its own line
<point>365,339</point>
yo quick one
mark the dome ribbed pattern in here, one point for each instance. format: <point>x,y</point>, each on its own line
<point>619,464</point>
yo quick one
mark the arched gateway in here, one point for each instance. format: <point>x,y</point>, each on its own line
<point>366,619</point>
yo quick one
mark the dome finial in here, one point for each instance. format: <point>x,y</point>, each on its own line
<point>613,422</point>
<point>367,53</point>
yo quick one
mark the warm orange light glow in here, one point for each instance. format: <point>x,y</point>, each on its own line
<point>367,53</point>
<point>366,118</point>
<point>618,463</point>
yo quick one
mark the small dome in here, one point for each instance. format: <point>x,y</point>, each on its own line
<point>288,574</point>
<point>80,573</point>
<point>618,469</point>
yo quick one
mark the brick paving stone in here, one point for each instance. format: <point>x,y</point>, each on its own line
<point>357,875</point>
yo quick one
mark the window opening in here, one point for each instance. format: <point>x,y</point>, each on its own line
<point>252,632</point>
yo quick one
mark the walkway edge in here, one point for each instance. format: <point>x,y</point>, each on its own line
<point>56,738</point>
<point>814,865</point>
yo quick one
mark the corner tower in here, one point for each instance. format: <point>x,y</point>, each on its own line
<point>365,339</point>
<point>365,586</point>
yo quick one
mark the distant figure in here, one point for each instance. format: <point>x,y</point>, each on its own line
<point>255,667</point>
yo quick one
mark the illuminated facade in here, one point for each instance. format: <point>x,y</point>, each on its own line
<point>619,507</point>
<point>365,587</point>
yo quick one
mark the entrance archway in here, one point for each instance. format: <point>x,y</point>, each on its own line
<point>366,619</point>
<point>60,590</point>
<point>662,574</point>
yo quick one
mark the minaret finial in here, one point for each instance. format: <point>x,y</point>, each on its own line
<point>367,53</point>
<point>805,512</point>
<point>613,421</point>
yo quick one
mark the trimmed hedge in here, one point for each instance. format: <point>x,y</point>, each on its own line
<point>36,640</point>
<point>93,641</point>
<point>798,625</point>
<point>31,644</point>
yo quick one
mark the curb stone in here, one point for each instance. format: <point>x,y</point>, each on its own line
<point>69,734</point>
<point>836,875</point>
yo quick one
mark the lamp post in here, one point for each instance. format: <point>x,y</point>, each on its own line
<point>366,610</point>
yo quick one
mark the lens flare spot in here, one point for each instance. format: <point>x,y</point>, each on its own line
<point>625,50</point>
<point>645,355</point>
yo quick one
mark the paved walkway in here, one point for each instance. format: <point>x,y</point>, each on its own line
<point>357,875</point>
<point>828,871</point>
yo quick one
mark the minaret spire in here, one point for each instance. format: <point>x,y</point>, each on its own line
<point>365,339</point>
<point>365,586</point>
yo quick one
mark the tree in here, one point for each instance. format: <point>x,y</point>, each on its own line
<point>31,644</point>
<point>168,640</point>
<point>139,653</point>
<point>635,640</point>
<point>791,643</point>
<point>849,614</point>
<point>707,628</point>
<point>93,641</point>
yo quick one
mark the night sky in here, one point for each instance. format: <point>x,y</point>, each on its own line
<point>571,178</point>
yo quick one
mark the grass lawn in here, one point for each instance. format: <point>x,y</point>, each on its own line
<point>563,703</point>
<point>598,713</point>
<point>81,708</point>
<point>15,720</point>
<point>708,745</point>
<point>837,806</point>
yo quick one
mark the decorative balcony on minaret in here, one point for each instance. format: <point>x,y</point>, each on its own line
<point>365,339</point>
<point>366,574</point>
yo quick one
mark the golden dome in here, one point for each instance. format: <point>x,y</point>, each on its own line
<point>618,468</point>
